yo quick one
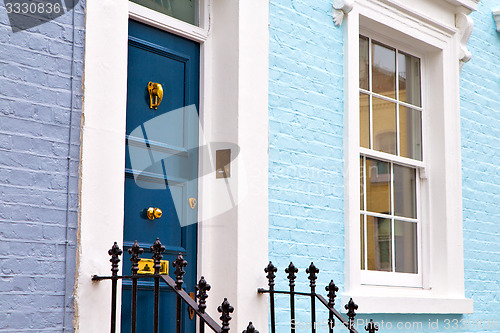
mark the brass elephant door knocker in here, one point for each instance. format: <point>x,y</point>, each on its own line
<point>155,94</point>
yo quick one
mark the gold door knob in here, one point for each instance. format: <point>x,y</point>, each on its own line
<point>153,213</point>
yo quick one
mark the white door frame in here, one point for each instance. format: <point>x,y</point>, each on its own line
<point>232,237</point>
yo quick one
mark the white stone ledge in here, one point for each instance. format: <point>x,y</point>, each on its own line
<point>409,304</point>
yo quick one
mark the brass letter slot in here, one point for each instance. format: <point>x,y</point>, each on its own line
<point>146,266</point>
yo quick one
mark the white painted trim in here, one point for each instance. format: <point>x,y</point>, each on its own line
<point>166,23</point>
<point>468,4</point>
<point>443,275</point>
<point>234,69</point>
<point>102,161</point>
<point>420,16</point>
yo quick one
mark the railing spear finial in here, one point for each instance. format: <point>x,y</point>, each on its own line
<point>312,271</point>
<point>157,248</point>
<point>115,252</point>
<point>270,270</point>
<point>250,329</point>
<point>332,290</point>
<point>202,287</point>
<point>134,252</point>
<point>371,327</point>
<point>350,307</point>
<point>225,309</point>
<point>291,270</point>
<point>179,265</point>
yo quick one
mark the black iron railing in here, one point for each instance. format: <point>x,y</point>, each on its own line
<point>332,289</point>
<point>176,285</point>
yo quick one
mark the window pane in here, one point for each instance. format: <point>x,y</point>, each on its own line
<point>410,133</point>
<point>363,63</point>
<point>362,238</point>
<point>379,244</point>
<point>409,79</point>
<point>406,247</point>
<point>378,186</point>
<point>383,70</point>
<point>361,185</point>
<point>384,126</point>
<point>184,10</point>
<point>364,120</point>
<point>405,203</point>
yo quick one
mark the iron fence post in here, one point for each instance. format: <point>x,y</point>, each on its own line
<point>371,327</point>
<point>179,265</point>
<point>157,248</point>
<point>115,253</point>
<point>225,309</point>
<point>332,289</point>
<point>312,271</point>
<point>291,270</point>
<point>250,329</point>
<point>202,287</point>
<point>350,307</point>
<point>134,252</point>
<point>270,270</point>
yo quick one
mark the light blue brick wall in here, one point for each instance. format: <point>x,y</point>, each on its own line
<point>38,182</point>
<point>480,120</point>
<point>305,172</point>
<point>306,137</point>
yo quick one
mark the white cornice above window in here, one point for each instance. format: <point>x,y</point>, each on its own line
<point>469,4</point>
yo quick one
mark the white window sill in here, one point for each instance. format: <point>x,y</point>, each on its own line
<point>409,304</point>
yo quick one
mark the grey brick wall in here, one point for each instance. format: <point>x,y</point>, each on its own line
<point>40,115</point>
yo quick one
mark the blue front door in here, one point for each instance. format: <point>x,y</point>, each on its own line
<point>161,165</point>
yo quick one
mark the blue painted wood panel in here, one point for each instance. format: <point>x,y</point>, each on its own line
<point>161,165</point>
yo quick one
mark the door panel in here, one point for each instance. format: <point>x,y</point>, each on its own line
<point>161,164</point>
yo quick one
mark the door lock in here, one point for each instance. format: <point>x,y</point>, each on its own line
<point>153,213</point>
<point>192,202</point>
<point>155,94</point>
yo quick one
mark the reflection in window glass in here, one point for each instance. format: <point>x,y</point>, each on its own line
<point>410,133</point>
<point>379,244</point>
<point>363,63</point>
<point>184,10</point>
<point>405,203</point>
<point>383,70</point>
<point>384,126</point>
<point>405,247</point>
<point>378,186</point>
<point>409,79</point>
<point>364,120</point>
<point>361,184</point>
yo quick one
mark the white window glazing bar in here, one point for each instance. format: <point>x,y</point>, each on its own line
<point>389,99</point>
<point>386,157</point>
<point>387,216</point>
<point>398,147</point>
<point>365,224</point>
<point>393,245</point>
<point>370,112</point>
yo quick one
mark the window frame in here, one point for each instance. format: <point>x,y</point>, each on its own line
<point>384,278</point>
<point>435,36</point>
